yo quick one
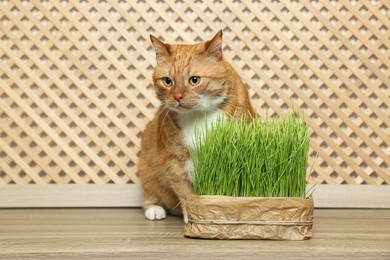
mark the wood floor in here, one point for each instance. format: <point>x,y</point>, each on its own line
<point>125,234</point>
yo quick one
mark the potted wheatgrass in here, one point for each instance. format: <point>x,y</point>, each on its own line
<point>250,180</point>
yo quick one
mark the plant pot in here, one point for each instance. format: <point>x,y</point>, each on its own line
<point>223,217</point>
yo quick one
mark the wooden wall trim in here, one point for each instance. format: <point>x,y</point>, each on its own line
<point>94,195</point>
<point>352,196</point>
<point>130,195</point>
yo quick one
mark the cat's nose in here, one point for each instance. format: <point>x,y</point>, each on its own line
<point>178,97</point>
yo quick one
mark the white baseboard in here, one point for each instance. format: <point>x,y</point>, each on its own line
<point>352,196</point>
<point>72,195</point>
<point>130,195</point>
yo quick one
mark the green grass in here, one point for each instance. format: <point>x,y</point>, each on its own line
<point>266,158</point>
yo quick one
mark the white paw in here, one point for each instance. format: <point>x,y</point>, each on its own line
<point>155,212</point>
<point>185,218</point>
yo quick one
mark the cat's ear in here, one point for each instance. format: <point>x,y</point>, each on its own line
<point>214,47</point>
<point>159,47</point>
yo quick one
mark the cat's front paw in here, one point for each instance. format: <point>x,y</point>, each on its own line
<point>155,212</point>
<point>185,218</point>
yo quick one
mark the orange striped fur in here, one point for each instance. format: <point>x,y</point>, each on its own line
<point>164,165</point>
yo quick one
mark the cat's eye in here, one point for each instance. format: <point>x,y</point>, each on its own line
<point>194,80</point>
<point>167,82</point>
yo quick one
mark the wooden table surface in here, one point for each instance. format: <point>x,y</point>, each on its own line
<point>125,234</point>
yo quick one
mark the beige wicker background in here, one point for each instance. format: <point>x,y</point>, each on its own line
<point>76,93</point>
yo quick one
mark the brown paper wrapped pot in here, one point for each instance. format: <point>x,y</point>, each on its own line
<point>224,217</point>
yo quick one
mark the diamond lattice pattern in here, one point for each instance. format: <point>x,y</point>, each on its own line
<point>76,91</point>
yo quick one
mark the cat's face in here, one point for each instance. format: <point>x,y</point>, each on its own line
<point>190,77</point>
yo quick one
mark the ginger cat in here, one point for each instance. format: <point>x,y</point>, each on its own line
<point>191,81</point>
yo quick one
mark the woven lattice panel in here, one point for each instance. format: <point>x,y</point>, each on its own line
<point>76,93</point>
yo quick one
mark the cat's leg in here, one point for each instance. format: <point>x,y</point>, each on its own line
<point>182,186</point>
<point>159,200</point>
<point>152,203</point>
<point>183,206</point>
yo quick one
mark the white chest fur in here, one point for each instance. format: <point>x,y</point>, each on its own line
<point>193,122</point>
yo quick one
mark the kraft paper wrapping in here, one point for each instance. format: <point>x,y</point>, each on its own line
<point>223,217</point>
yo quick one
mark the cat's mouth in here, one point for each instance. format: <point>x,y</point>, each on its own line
<point>180,107</point>
<point>203,103</point>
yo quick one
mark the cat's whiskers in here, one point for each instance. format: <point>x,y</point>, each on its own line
<point>159,113</point>
<point>165,110</point>
<point>165,116</point>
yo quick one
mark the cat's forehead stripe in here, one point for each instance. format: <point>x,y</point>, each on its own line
<point>185,61</point>
<point>182,65</point>
<point>181,58</point>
